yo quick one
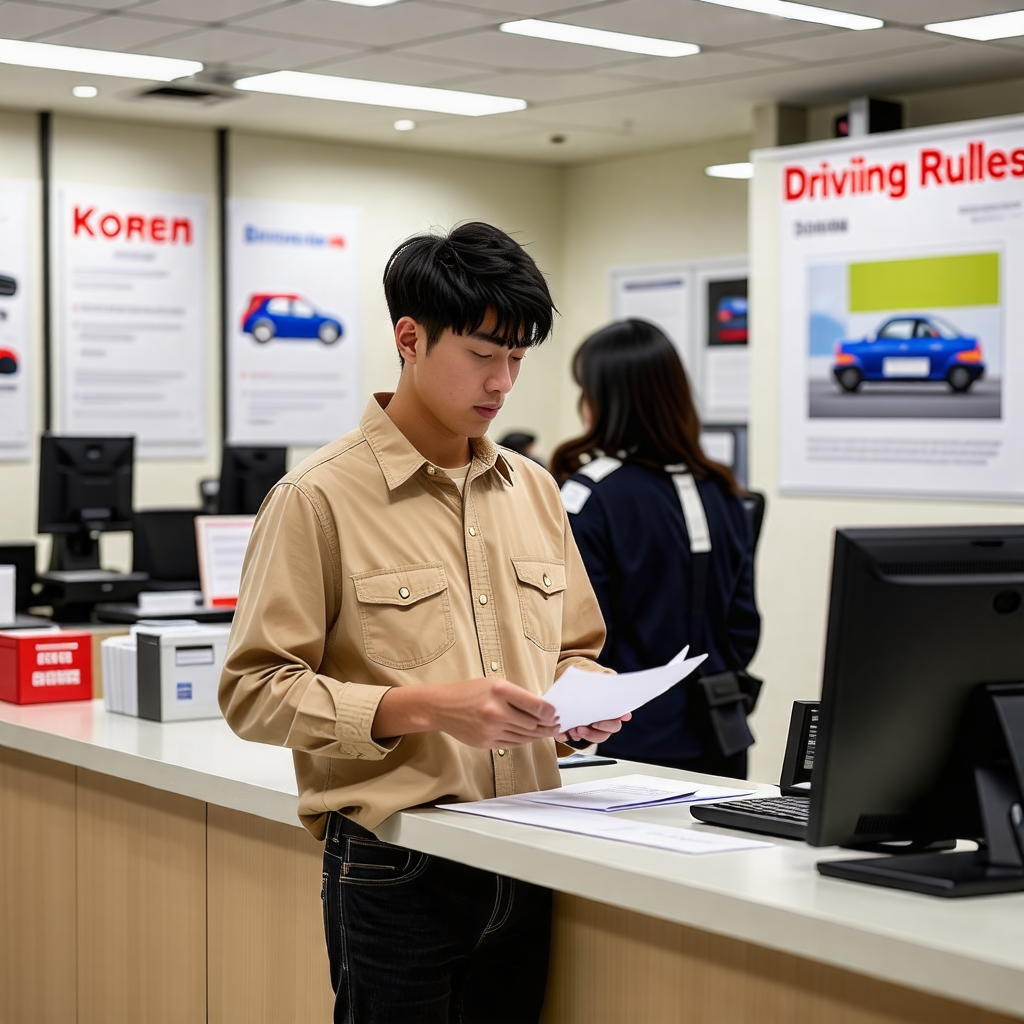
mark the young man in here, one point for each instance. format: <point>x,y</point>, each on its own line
<point>409,594</point>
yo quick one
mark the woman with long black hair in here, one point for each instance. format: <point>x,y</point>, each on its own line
<point>665,538</point>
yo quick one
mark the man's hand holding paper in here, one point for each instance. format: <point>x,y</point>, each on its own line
<point>588,702</point>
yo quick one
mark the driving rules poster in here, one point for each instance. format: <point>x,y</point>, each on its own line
<point>902,332</point>
<point>292,322</point>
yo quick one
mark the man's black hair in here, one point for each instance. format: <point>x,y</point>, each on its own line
<point>452,280</point>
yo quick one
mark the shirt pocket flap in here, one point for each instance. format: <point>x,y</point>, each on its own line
<point>402,585</point>
<point>547,576</point>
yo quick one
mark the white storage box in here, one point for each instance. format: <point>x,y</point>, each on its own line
<point>179,671</point>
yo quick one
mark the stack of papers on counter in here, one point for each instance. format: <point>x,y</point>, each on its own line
<point>622,793</point>
<point>526,810</point>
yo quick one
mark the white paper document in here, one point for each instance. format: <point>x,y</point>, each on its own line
<point>524,811</point>
<point>581,698</point>
<point>623,793</point>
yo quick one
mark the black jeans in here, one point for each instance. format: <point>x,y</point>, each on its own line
<point>415,939</point>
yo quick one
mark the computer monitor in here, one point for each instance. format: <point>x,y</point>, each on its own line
<point>921,730</point>
<point>246,477</point>
<point>85,487</point>
<point>164,547</point>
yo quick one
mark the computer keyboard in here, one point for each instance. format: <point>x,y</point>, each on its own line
<point>784,816</point>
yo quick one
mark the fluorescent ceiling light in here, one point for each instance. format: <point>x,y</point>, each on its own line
<point>562,33</point>
<point>379,94</point>
<point>992,26</point>
<point>96,62</point>
<point>802,12</point>
<point>403,124</point>
<point>367,3</point>
<point>84,92</point>
<point>741,170</point>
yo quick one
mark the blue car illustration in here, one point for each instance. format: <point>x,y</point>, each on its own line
<point>280,315</point>
<point>910,348</point>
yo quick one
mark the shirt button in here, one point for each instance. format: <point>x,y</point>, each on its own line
<point>494,666</point>
<point>472,531</point>
<point>547,580</point>
<point>501,751</point>
<point>483,599</point>
<point>431,470</point>
<point>403,592</point>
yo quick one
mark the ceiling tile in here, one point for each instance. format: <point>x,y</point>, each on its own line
<point>688,20</point>
<point>208,11</point>
<point>114,32</point>
<point>540,88</point>
<point>923,12</point>
<point>708,64</point>
<point>248,50</point>
<point>24,20</point>
<point>367,26</point>
<point>512,9</point>
<point>502,52</point>
<point>393,67</point>
<point>87,5</point>
<point>844,45</point>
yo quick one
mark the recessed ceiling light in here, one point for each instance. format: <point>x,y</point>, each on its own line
<point>367,3</point>
<point>802,12</point>
<point>563,33</point>
<point>403,124</point>
<point>991,26</point>
<point>85,92</point>
<point>95,62</point>
<point>740,170</point>
<point>379,94</point>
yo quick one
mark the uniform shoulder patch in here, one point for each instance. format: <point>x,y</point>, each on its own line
<point>599,468</point>
<point>575,495</point>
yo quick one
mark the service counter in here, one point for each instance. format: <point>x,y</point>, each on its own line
<point>155,873</point>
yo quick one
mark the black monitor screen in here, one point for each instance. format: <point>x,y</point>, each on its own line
<point>85,483</point>
<point>918,619</point>
<point>246,477</point>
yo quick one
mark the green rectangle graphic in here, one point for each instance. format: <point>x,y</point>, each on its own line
<point>920,285</point>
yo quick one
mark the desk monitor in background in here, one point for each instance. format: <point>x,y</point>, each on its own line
<point>246,476</point>
<point>164,546</point>
<point>911,744</point>
<point>85,487</point>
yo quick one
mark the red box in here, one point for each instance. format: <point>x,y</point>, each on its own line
<point>36,668</point>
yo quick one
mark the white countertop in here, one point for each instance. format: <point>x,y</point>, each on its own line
<point>971,949</point>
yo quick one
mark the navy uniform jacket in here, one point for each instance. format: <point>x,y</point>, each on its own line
<point>632,536</point>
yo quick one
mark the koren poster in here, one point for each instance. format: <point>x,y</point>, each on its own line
<point>292,322</point>
<point>661,294</point>
<point>15,412</point>
<point>131,301</point>
<point>902,326</point>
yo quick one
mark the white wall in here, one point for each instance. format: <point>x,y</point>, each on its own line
<point>644,209</point>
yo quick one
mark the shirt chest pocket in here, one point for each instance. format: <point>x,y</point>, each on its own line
<point>541,586</point>
<point>405,614</point>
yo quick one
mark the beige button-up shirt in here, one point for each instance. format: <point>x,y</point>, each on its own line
<point>367,570</point>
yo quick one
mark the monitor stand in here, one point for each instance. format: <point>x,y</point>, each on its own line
<point>996,867</point>
<point>74,584</point>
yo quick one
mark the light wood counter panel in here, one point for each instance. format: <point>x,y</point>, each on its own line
<point>610,965</point>
<point>37,890</point>
<point>267,958</point>
<point>141,904</point>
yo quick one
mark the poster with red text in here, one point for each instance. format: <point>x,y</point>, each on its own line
<point>131,295</point>
<point>15,358</point>
<point>902,326</point>
<point>293,327</point>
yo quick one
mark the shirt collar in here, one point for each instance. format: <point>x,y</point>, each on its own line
<point>399,460</point>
